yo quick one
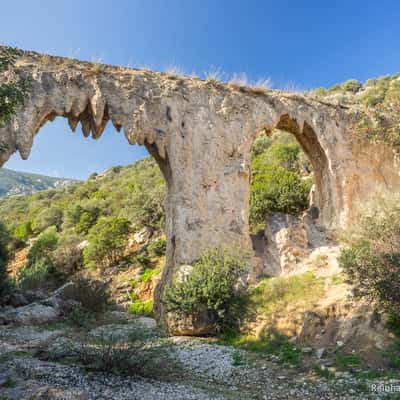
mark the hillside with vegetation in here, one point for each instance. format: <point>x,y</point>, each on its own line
<point>15,183</point>
<point>107,210</point>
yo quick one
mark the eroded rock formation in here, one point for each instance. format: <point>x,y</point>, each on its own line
<point>201,134</point>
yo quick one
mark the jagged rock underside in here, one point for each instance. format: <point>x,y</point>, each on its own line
<point>201,134</point>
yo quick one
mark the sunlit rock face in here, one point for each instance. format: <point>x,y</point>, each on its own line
<point>201,134</point>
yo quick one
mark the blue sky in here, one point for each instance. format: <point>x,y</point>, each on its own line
<point>302,44</point>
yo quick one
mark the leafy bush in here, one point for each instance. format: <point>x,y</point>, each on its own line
<point>52,216</point>
<point>209,289</point>
<point>276,189</point>
<point>261,144</point>
<point>157,248</point>
<point>4,240</point>
<point>118,354</point>
<point>43,247</point>
<point>285,155</point>
<point>13,93</point>
<point>36,275</point>
<point>141,307</point>
<point>68,257</point>
<point>107,241</point>
<point>148,274</point>
<point>87,219</point>
<point>352,85</point>
<point>92,295</point>
<point>372,259</point>
<point>23,231</point>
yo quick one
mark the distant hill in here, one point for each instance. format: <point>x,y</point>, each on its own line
<point>14,183</point>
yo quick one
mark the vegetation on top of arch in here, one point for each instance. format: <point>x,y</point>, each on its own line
<point>377,112</point>
<point>13,90</point>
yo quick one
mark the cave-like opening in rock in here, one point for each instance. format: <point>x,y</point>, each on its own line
<point>289,195</point>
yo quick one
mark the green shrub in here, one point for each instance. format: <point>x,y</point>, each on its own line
<point>140,259</point>
<point>4,255</point>
<point>209,289</point>
<point>92,294</point>
<point>261,144</point>
<point>68,257</point>
<point>157,248</point>
<point>52,216</point>
<point>141,307</point>
<point>87,219</point>
<point>43,247</point>
<point>371,260</point>
<point>36,275</point>
<point>13,92</point>
<point>23,231</point>
<point>148,274</point>
<point>352,85</point>
<point>285,155</point>
<point>113,353</point>
<point>276,344</point>
<point>107,242</point>
<point>276,189</point>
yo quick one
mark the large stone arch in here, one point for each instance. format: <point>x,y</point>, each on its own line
<point>200,133</point>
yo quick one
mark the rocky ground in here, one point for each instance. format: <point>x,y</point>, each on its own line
<point>36,363</point>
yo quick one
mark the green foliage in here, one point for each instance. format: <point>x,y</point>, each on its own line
<point>107,241</point>
<point>272,295</point>
<point>261,144</point>
<point>35,275</point>
<point>113,353</point>
<point>237,359</point>
<point>141,307</point>
<point>372,259</point>
<point>392,355</point>
<point>209,289</point>
<point>278,163</point>
<point>277,345</point>
<point>148,274</point>
<point>347,361</point>
<point>4,254</point>
<point>43,247</point>
<point>352,85</point>
<point>276,189</point>
<point>157,248</point>
<point>141,259</point>
<point>379,118</point>
<point>23,231</point>
<point>76,209</point>
<point>91,294</point>
<point>67,256</point>
<point>285,155</point>
<point>393,324</point>
<point>13,92</point>
<point>80,318</point>
<point>52,216</point>
<point>323,371</point>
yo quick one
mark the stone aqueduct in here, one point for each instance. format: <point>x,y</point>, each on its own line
<point>201,134</point>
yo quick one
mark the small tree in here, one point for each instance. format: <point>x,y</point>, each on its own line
<point>52,216</point>
<point>107,242</point>
<point>371,260</point>
<point>275,189</point>
<point>209,289</point>
<point>68,257</point>
<point>43,247</point>
<point>14,91</point>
